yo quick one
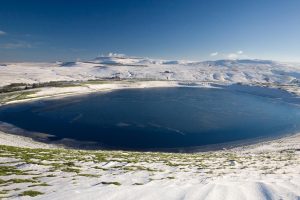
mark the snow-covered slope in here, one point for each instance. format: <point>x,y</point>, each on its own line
<point>265,171</point>
<point>223,71</point>
<point>268,171</point>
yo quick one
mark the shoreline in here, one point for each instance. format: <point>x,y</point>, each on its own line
<point>10,139</point>
<point>61,92</point>
<point>53,93</point>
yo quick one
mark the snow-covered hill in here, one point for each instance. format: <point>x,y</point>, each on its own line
<point>124,67</point>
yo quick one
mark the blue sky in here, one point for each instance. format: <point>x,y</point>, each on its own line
<point>35,30</point>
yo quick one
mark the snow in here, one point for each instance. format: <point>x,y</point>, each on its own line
<point>268,170</point>
<point>224,71</point>
<point>260,171</point>
<point>21,141</point>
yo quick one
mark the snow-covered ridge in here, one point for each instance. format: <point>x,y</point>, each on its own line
<point>124,67</point>
<point>127,60</point>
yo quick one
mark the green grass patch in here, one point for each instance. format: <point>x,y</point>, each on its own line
<point>18,180</point>
<point>89,175</point>
<point>69,169</point>
<point>10,170</point>
<point>31,193</point>
<point>4,192</point>
<point>41,184</point>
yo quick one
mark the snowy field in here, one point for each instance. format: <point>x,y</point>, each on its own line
<point>33,170</point>
<point>265,171</point>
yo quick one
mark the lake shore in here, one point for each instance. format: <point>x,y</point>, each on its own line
<point>258,170</point>
<point>46,93</point>
<point>267,170</point>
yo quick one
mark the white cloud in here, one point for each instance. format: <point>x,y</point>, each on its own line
<point>2,33</point>
<point>214,54</point>
<point>232,56</point>
<point>16,45</point>
<point>116,55</point>
<point>236,55</point>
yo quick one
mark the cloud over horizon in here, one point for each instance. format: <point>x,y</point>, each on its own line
<point>2,33</point>
<point>15,45</point>
<point>214,54</point>
<point>236,55</point>
<point>229,55</point>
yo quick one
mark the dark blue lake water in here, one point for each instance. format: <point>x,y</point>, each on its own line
<point>160,118</point>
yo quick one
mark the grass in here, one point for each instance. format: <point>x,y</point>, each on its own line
<point>14,96</point>
<point>111,183</point>
<point>170,177</point>
<point>51,175</point>
<point>16,180</point>
<point>10,170</point>
<point>40,184</point>
<point>115,163</point>
<point>4,192</point>
<point>18,87</point>
<point>2,181</point>
<point>101,168</point>
<point>139,168</point>
<point>20,91</point>
<point>89,175</point>
<point>138,184</point>
<point>69,164</point>
<point>96,82</point>
<point>69,169</point>
<point>31,193</point>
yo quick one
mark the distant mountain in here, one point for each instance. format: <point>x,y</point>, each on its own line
<point>134,61</point>
<point>229,63</point>
<point>126,67</point>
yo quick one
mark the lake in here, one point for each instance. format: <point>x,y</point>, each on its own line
<point>164,119</point>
